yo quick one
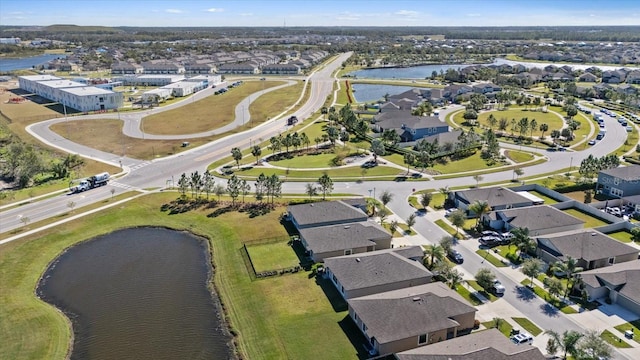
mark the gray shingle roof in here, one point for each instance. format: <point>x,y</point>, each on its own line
<point>408,312</point>
<point>359,271</point>
<point>325,212</point>
<point>624,276</point>
<point>484,345</point>
<point>537,217</point>
<point>323,239</point>
<point>586,244</point>
<point>627,173</point>
<point>494,196</point>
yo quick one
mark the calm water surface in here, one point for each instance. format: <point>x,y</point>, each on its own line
<point>373,92</point>
<point>138,294</point>
<point>27,62</point>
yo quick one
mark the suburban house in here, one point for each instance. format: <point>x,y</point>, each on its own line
<point>451,92</point>
<point>324,213</point>
<point>592,249</point>
<point>162,67</point>
<point>488,344</point>
<point>243,68</point>
<point>377,271</point>
<point>409,127</point>
<point>344,239</point>
<point>620,181</point>
<point>620,283</point>
<point>613,76</point>
<point>486,88</point>
<point>540,220</point>
<point>125,68</point>
<point>407,318</point>
<point>281,69</point>
<point>588,77</point>
<point>498,198</point>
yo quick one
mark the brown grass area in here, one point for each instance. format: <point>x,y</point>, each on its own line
<point>271,104</point>
<point>205,114</point>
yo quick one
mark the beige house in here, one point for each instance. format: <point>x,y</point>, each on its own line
<point>377,271</point>
<point>540,220</point>
<point>620,283</point>
<point>488,344</point>
<point>404,319</point>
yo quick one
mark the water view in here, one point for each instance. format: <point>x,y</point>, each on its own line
<point>414,72</point>
<point>138,294</point>
<point>372,92</point>
<point>28,62</point>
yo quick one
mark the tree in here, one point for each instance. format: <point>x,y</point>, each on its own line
<point>377,148</point>
<point>287,142</point>
<point>273,187</point>
<point>326,185</point>
<point>478,178</point>
<point>207,183</point>
<point>452,277</point>
<point>276,143</point>
<point>458,219</point>
<point>554,286</point>
<point>423,160</point>
<point>317,140</point>
<point>425,200</point>
<point>571,111</point>
<point>485,278</point>
<point>311,190</point>
<point>390,137</point>
<point>533,126</point>
<point>543,128</point>
<point>237,155</point>
<point>244,188</point>
<point>233,188</point>
<point>261,186</point>
<point>531,268</point>
<point>566,342</point>
<point>479,208</point>
<point>183,184</point>
<point>393,226</point>
<point>113,191</point>
<point>447,243</point>
<point>517,172</point>
<point>386,197</point>
<point>219,190</point>
<point>409,159</point>
<point>25,220</point>
<point>569,268</point>
<point>305,140</point>
<point>411,220</point>
<point>433,253</point>
<point>71,205</point>
<point>195,182</point>
<point>592,347</point>
<point>471,116</point>
<point>588,196</point>
<point>333,133</point>
<point>635,234</point>
<point>555,135</point>
<point>492,121</point>
<point>256,151</point>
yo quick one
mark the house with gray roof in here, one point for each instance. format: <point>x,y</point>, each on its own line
<point>324,213</point>
<point>242,68</point>
<point>488,344</point>
<point>498,198</point>
<point>620,283</point>
<point>375,272</point>
<point>588,77</point>
<point>344,239</point>
<point>620,181</point>
<point>540,220</point>
<point>409,127</point>
<point>281,69</point>
<point>592,249</point>
<point>408,318</point>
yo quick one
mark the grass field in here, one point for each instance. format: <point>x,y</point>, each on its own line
<point>613,340</point>
<point>566,309</point>
<point>269,325</point>
<point>474,284</point>
<point>591,221</point>
<point>468,295</point>
<point>518,156</point>
<point>623,236</point>
<point>633,325</point>
<point>471,163</point>
<point>528,326</point>
<point>554,121</point>
<point>486,255</point>
<point>212,112</point>
<point>505,327</point>
<point>273,256</point>
<point>351,172</point>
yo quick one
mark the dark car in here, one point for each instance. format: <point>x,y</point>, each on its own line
<point>490,241</point>
<point>455,256</point>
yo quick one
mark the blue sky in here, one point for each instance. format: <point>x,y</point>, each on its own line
<point>320,12</point>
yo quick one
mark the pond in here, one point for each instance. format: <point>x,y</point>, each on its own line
<point>138,294</point>
<point>11,64</point>
<point>372,92</point>
<point>412,72</point>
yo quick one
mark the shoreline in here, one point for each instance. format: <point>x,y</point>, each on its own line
<point>203,240</point>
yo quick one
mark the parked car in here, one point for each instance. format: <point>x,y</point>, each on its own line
<point>592,142</point>
<point>490,241</point>
<point>490,233</point>
<point>616,211</point>
<point>455,256</point>
<point>629,129</point>
<point>497,287</point>
<point>522,338</point>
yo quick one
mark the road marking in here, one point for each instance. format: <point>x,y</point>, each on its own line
<point>121,185</point>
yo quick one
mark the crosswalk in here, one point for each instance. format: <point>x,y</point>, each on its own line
<point>121,185</point>
<point>141,165</point>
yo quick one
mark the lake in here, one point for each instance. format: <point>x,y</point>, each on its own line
<point>138,294</point>
<point>373,92</point>
<point>28,62</point>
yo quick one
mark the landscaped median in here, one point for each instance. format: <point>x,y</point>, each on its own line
<point>567,309</point>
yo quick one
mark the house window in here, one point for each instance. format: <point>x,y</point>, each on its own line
<point>616,192</point>
<point>612,261</point>
<point>364,327</point>
<point>422,339</point>
<point>348,252</point>
<point>335,280</point>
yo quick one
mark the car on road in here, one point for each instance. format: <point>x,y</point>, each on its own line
<point>521,338</point>
<point>455,256</point>
<point>369,164</point>
<point>497,287</point>
<point>592,142</point>
<point>629,128</point>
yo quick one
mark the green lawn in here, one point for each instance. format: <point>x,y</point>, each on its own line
<point>272,256</point>
<point>623,236</point>
<point>468,296</point>
<point>613,340</point>
<point>528,326</point>
<point>518,156</point>
<point>509,252</point>
<point>344,173</point>
<point>547,200</point>
<point>505,327</point>
<point>591,221</point>
<point>490,258</point>
<point>554,121</point>
<point>309,161</point>
<point>448,228</point>
<point>551,300</point>
<point>474,284</point>
<point>268,325</point>
<point>634,325</point>
<point>471,163</point>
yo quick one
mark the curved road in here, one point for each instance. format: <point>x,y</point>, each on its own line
<point>161,172</point>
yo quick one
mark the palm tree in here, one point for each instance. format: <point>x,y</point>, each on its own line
<point>386,197</point>
<point>478,178</point>
<point>479,208</point>
<point>433,253</point>
<point>569,267</point>
<point>567,341</point>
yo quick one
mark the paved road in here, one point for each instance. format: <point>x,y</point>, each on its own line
<point>162,172</point>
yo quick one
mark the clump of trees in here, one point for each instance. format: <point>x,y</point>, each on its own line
<point>591,165</point>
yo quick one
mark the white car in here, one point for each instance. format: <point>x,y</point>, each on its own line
<point>497,287</point>
<point>522,338</point>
